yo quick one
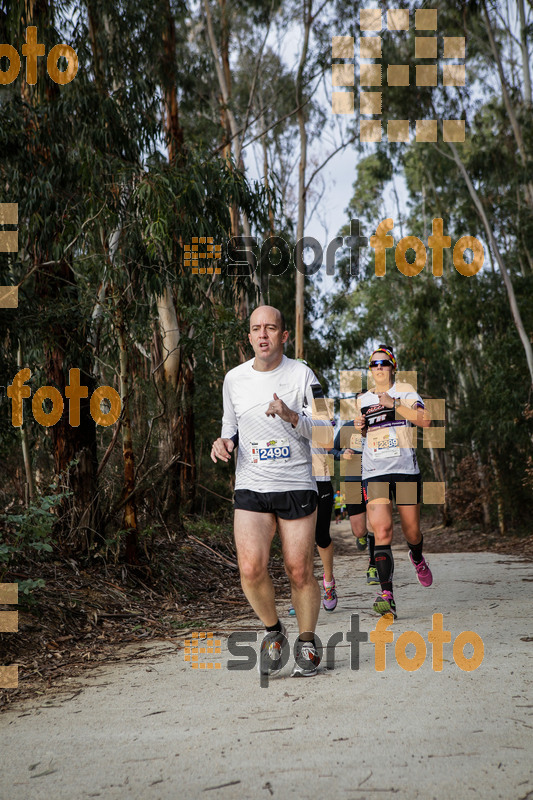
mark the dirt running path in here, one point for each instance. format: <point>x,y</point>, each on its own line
<point>160,730</point>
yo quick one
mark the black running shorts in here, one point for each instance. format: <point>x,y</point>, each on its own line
<point>356,508</point>
<point>406,490</point>
<point>286,505</point>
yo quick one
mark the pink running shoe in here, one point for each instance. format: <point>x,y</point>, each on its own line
<point>423,572</point>
<point>330,596</point>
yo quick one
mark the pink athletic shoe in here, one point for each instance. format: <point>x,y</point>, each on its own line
<point>423,572</point>
<point>330,596</point>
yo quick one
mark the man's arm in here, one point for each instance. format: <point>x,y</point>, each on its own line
<point>230,425</point>
<point>301,421</point>
<point>223,447</point>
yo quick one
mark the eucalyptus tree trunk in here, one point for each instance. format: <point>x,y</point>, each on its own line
<point>302,192</point>
<point>502,526</point>
<point>129,522</point>
<point>265,282</point>
<point>241,297</point>
<point>266,177</point>
<point>525,54</point>
<point>174,370</point>
<point>222,69</point>
<point>25,446</point>
<point>474,381</point>
<point>225,33</point>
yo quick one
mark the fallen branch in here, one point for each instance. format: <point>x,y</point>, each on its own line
<point>215,493</point>
<point>173,460</point>
<point>227,561</point>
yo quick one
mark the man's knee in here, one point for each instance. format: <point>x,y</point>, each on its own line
<point>300,572</point>
<point>252,571</point>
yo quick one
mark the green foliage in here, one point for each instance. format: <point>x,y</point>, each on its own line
<point>103,218</point>
<point>29,535</point>
<point>373,173</point>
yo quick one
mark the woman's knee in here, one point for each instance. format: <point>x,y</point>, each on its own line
<point>412,534</point>
<point>383,534</point>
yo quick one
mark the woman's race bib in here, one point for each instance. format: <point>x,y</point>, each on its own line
<point>383,443</point>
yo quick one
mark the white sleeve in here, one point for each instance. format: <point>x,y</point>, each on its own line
<point>229,420</point>
<point>413,400</point>
<point>312,390</point>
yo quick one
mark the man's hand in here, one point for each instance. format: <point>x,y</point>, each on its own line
<point>278,407</point>
<point>348,453</point>
<point>222,449</point>
<point>386,400</point>
<point>359,423</point>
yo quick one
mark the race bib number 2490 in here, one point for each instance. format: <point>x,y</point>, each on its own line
<point>274,452</point>
<point>270,450</point>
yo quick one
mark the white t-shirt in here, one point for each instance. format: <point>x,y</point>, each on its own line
<point>387,445</point>
<point>272,455</point>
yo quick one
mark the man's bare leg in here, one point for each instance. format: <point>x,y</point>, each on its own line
<point>254,532</point>
<point>298,541</point>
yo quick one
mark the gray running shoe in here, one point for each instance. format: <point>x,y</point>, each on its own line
<point>307,660</point>
<point>270,655</point>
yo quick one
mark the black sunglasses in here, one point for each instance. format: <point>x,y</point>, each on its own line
<point>383,362</point>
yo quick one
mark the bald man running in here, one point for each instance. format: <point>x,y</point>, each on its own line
<point>268,412</point>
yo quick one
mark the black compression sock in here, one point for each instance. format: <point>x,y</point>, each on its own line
<point>384,566</point>
<point>276,627</point>
<point>416,550</point>
<point>371,546</point>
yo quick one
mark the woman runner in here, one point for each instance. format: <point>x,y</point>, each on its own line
<point>390,470</point>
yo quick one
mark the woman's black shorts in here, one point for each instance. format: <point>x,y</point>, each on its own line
<point>406,490</point>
